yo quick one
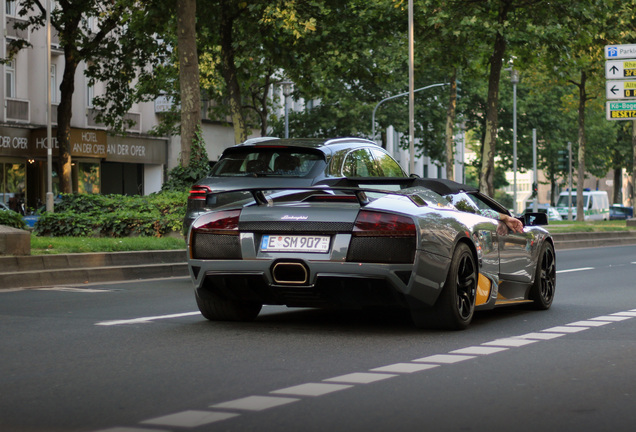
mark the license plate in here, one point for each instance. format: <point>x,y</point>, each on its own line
<point>295,243</point>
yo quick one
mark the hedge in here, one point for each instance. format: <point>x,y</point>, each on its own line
<point>79,215</point>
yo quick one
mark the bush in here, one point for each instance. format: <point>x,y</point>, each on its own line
<point>67,224</point>
<point>12,219</point>
<point>114,215</point>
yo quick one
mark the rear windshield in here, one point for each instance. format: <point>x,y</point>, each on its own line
<point>563,201</point>
<point>275,162</point>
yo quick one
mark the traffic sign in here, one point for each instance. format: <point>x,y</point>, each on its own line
<point>620,89</point>
<point>614,52</point>
<point>617,69</point>
<point>621,110</point>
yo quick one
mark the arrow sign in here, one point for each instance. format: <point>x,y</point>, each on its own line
<point>617,69</point>
<point>620,89</point>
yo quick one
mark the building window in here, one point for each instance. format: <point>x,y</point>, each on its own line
<point>9,71</point>
<point>53,84</point>
<point>90,94</point>
<point>11,7</point>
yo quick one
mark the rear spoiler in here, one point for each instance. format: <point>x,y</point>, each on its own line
<point>440,186</point>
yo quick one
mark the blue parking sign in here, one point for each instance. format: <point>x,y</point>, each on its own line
<point>612,51</point>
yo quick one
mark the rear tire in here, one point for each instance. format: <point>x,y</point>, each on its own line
<point>455,306</point>
<point>542,291</point>
<point>216,309</point>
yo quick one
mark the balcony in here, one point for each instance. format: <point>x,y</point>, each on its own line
<point>91,115</point>
<point>14,33</point>
<point>17,110</point>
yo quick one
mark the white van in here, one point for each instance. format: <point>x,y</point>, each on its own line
<point>596,205</point>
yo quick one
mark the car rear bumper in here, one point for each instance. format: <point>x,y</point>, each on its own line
<point>304,283</point>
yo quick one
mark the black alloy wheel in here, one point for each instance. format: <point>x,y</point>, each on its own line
<point>543,289</point>
<point>455,307</point>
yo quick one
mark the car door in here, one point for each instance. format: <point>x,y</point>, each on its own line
<point>515,249</point>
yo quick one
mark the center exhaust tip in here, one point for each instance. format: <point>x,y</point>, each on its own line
<point>290,273</point>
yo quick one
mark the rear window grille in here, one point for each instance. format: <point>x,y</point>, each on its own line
<point>382,250</point>
<point>215,246</point>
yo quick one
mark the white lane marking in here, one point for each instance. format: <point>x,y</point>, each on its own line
<point>255,403</point>
<point>71,289</point>
<point>631,314</point>
<point>510,342</point>
<point>130,429</point>
<point>189,418</point>
<point>479,350</point>
<point>610,318</point>
<point>575,270</point>
<point>541,336</point>
<point>589,323</point>
<point>312,389</point>
<point>444,358</point>
<point>360,378</point>
<point>144,320</point>
<point>565,329</point>
<point>404,367</point>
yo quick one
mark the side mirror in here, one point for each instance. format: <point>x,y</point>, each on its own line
<point>534,219</point>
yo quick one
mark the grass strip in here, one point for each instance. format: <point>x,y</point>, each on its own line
<point>65,245</point>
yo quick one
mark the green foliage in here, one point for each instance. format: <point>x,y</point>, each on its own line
<point>181,178</point>
<point>79,215</point>
<point>11,219</point>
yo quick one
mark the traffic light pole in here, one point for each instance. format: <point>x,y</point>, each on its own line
<point>570,181</point>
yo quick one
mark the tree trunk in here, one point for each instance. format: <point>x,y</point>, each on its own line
<point>64,114</point>
<point>580,215</point>
<point>230,75</point>
<point>188,76</point>
<point>487,173</point>
<point>450,126</point>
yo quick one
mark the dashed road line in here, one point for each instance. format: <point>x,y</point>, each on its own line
<point>575,270</point>
<point>144,320</point>
<point>193,418</point>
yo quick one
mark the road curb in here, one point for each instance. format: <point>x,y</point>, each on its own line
<point>48,270</point>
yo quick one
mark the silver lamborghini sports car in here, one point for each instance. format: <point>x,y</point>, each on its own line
<point>421,245</point>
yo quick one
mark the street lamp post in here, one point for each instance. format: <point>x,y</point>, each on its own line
<point>49,135</point>
<point>514,79</point>
<point>287,89</point>
<point>393,97</point>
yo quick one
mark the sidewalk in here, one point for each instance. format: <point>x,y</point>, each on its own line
<point>51,270</point>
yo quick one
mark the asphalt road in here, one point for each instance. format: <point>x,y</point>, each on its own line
<point>132,357</point>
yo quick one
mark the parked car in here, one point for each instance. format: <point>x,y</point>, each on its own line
<point>551,212</point>
<point>352,245</point>
<point>274,162</point>
<point>620,212</point>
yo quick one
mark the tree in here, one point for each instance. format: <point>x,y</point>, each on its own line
<point>114,39</point>
<point>188,76</point>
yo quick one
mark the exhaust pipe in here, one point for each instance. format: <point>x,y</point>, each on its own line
<point>293,273</point>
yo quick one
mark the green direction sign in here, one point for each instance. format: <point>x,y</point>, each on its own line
<point>621,110</point>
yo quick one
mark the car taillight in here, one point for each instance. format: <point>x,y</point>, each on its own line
<point>222,222</point>
<point>370,223</point>
<point>199,193</point>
